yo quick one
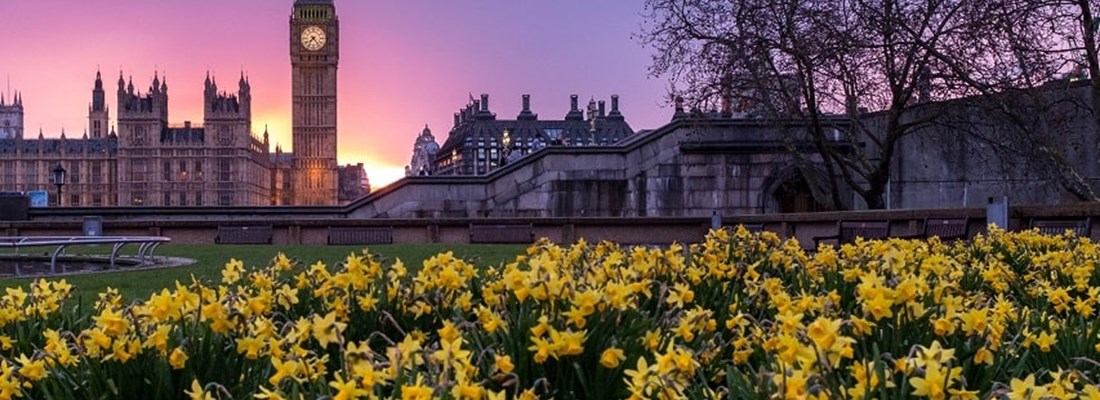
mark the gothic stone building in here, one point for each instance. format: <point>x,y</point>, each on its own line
<point>91,165</point>
<point>219,163</point>
<point>90,162</point>
<point>149,162</point>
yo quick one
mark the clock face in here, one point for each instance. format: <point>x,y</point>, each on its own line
<point>313,38</point>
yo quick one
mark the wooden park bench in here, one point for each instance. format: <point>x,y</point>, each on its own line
<point>359,235</point>
<point>1080,226</point>
<point>848,231</point>
<point>502,233</point>
<point>946,229</point>
<point>752,228</point>
<point>260,234</point>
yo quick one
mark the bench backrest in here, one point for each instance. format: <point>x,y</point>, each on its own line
<point>244,234</point>
<point>360,235</point>
<point>850,230</point>
<point>946,228</point>
<point>752,228</point>
<point>502,233</point>
<point>1080,227</point>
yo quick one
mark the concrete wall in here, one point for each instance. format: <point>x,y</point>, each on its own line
<point>972,149</point>
<point>294,229</point>
<point>687,168</point>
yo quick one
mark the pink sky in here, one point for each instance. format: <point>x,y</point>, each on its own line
<point>403,63</point>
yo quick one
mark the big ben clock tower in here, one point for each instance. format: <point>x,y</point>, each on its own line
<point>314,56</point>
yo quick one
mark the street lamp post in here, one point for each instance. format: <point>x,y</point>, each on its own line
<point>454,162</point>
<point>59,180</point>
<point>506,140</point>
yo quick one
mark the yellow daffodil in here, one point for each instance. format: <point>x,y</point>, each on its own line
<point>503,364</point>
<point>1045,340</point>
<point>178,358</point>
<point>1026,389</point>
<point>327,330</point>
<point>197,392</point>
<point>541,348</point>
<point>346,390</point>
<point>232,271</point>
<point>250,347</point>
<point>611,357</point>
<point>268,394</point>
<point>33,370</point>
<point>416,391</point>
<point>112,322</point>
<point>983,356</point>
<point>283,369</point>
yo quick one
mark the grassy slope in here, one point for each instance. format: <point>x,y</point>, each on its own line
<point>211,259</point>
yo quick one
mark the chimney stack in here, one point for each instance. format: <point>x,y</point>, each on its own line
<point>679,110</point>
<point>727,96</point>
<point>574,113</point>
<point>614,103</point>
<point>485,102</point>
<point>526,114</point>
<point>602,109</point>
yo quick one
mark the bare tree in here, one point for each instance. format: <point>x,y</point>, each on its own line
<point>1028,54</point>
<point>870,59</point>
<point>709,49</point>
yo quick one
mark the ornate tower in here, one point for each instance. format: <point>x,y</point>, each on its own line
<point>314,56</point>
<point>97,111</point>
<point>11,117</point>
<point>227,117</point>
<point>142,121</point>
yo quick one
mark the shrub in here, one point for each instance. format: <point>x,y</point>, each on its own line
<point>738,316</point>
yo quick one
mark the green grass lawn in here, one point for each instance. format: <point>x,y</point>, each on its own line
<point>212,258</point>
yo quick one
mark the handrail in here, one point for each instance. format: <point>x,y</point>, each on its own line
<point>146,245</point>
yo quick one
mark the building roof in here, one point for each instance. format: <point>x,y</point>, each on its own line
<point>282,158</point>
<point>184,134</point>
<point>476,123</point>
<point>33,146</point>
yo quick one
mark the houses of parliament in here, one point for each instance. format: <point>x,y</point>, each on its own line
<point>147,161</point>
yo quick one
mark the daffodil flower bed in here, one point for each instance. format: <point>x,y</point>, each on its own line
<point>1007,315</point>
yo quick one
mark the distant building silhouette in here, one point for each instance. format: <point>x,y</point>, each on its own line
<point>479,142</point>
<point>424,152</point>
<point>353,183</point>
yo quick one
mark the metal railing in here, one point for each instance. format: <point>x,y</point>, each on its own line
<point>146,245</point>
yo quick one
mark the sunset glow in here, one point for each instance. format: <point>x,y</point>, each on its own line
<point>403,64</point>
